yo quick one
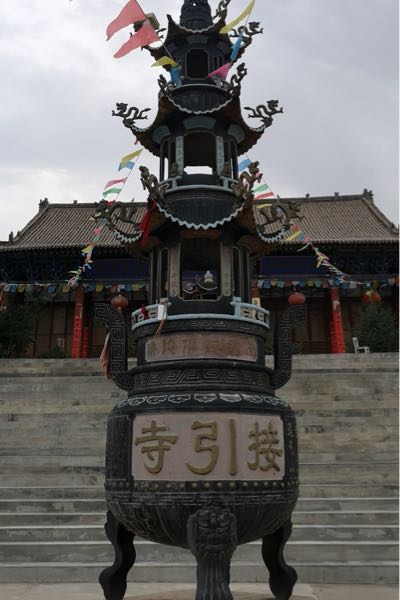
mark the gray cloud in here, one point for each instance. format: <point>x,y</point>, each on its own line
<point>332,64</point>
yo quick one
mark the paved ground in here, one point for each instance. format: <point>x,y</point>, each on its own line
<point>183,592</point>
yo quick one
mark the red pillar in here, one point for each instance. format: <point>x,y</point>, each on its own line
<point>338,345</point>
<point>78,323</point>
<point>85,342</point>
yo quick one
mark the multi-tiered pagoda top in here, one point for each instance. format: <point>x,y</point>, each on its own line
<point>199,133</point>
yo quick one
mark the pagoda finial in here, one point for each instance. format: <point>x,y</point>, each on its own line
<point>196,15</point>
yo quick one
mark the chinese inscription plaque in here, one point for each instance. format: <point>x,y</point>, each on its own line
<point>212,446</point>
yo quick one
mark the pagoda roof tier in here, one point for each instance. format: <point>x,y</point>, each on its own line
<point>176,31</point>
<point>180,104</point>
<point>206,210</point>
<point>339,220</point>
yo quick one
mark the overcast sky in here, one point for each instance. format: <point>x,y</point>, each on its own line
<point>331,63</point>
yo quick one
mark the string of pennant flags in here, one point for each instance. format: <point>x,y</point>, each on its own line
<point>62,288</point>
<point>264,192</point>
<point>111,192</point>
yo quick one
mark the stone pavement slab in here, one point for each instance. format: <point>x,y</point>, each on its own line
<point>145,591</point>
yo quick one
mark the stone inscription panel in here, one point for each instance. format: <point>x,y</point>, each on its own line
<point>183,346</point>
<point>208,446</point>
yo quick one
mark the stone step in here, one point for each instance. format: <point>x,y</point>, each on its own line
<point>341,517</point>
<point>97,492</point>
<point>94,533</point>
<point>82,470</point>
<point>96,505</point>
<point>150,552</point>
<point>332,572</point>
<point>43,367</point>
<point>55,519</point>
<point>344,517</point>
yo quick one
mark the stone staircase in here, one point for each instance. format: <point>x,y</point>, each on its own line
<point>52,429</point>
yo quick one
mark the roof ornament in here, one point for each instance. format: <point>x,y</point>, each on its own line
<point>196,15</point>
<point>247,32</point>
<point>368,194</point>
<point>236,80</point>
<point>247,180</point>
<point>222,10</point>
<point>265,112</point>
<point>152,185</point>
<point>130,115</point>
<point>43,203</point>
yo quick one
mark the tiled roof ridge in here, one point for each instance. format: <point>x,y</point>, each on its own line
<point>380,215</point>
<point>42,209</point>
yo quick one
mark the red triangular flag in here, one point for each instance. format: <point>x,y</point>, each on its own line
<point>131,13</point>
<point>145,35</point>
<point>222,72</point>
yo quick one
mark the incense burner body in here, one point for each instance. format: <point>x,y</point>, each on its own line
<point>201,454</point>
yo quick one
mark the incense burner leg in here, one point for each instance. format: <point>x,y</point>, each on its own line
<point>113,579</point>
<point>212,537</point>
<point>282,577</point>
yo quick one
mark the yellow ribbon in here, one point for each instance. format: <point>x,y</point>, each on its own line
<point>242,16</point>
<point>165,60</point>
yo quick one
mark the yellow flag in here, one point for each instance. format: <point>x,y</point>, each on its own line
<point>293,236</point>
<point>165,60</point>
<point>242,16</point>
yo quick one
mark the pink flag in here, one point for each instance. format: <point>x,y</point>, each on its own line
<point>222,72</point>
<point>114,181</point>
<point>145,35</point>
<point>131,13</point>
<point>264,196</point>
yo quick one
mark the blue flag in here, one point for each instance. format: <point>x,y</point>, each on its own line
<point>244,164</point>
<point>236,48</point>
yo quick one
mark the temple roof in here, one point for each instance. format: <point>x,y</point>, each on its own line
<point>196,15</point>
<point>351,219</point>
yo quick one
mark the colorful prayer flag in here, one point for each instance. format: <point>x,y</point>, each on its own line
<point>247,11</point>
<point>131,13</point>
<point>222,72</point>
<point>236,48</point>
<point>165,60</point>
<point>114,181</point>
<point>261,188</point>
<point>115,190</point>
<point>264,196</point>
<point>126,161</point>
<point>176,76</point>
<point>244,164</point>
<point>146,35</point>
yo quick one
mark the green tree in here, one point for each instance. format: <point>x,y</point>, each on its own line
<point>378,329</point>
<point>17,328</point>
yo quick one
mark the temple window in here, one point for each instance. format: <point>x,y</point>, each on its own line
<point>197,66</point>
<point>200,150</point>
<point>200,269</point>
<point>163,160</point>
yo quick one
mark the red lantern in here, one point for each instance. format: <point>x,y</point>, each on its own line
<point>119,302</point>
<point>296,299</point>
<point>371,297</point>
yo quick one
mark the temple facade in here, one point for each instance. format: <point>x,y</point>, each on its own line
<point>351,230</point>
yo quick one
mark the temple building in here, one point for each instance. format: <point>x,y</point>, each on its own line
<point>350,230</point>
